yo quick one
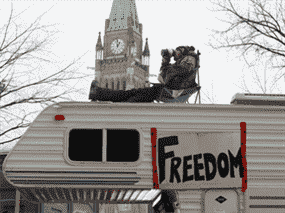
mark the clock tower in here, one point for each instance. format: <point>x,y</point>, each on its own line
<point>120,64</point>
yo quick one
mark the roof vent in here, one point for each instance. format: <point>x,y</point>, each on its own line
<point>258,99</point>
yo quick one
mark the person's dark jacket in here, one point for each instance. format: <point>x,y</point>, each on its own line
<point>179,75</point>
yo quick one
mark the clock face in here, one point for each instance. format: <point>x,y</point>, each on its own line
<point>134,50</point>
<point>117,46</point>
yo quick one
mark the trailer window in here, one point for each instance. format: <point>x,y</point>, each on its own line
<point>85,144</point>
<point>122,145</point>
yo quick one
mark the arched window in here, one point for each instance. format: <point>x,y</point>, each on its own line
<point>124,85</point>
<point>118,85</point>
<point>113,85</point>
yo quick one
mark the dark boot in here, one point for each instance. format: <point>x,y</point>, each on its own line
<point>147,95</point>
<point>134,95</point>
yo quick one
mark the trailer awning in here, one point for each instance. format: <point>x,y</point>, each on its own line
<point>112,196</point>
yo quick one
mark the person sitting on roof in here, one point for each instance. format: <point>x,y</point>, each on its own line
<point>176,77</point>
<point>180,75</point>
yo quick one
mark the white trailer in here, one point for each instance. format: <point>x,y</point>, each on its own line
<point>77,156</point>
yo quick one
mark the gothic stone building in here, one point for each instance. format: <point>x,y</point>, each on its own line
<point>120,63</point>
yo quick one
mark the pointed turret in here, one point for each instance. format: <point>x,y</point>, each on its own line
<point>146,54</point>
<point>99,57</point>
<point>145,61</point>
<point>123,15</point>
<point>99,48</point>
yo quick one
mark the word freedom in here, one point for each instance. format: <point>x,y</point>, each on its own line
<point>208,158</point>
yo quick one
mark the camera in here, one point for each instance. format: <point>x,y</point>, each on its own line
<point>167,53</point>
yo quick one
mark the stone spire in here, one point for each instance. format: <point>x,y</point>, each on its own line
<point>124,15</point>
<point>99,56</point>
<point>146,49</point>
<point>99,45</point>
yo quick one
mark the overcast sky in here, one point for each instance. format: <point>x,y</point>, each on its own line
<point>166,24</point>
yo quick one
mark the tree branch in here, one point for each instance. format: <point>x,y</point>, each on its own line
<point>15,50</point>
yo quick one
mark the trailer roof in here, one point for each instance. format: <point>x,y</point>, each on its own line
<point>258,99</point>
<point>175,105</point>
<point>5,150</point>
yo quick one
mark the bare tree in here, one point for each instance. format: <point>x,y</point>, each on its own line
<point>266,81</point>
<point>209,98</point>
<point>22,51</point>
<point>258,31</point>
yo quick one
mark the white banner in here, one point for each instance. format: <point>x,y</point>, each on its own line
<point>199,160</point>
